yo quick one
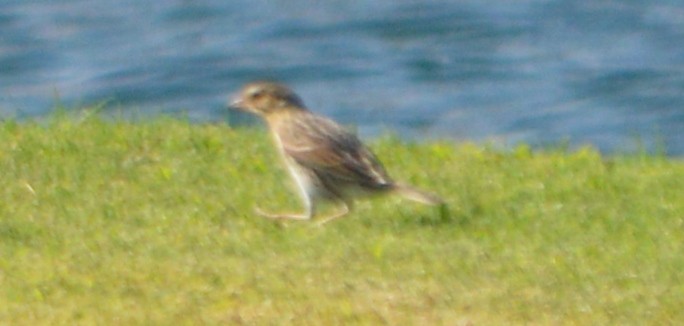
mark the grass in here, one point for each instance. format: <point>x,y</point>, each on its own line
<point>112,222</point>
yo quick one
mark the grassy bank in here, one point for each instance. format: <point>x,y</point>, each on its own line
<point>152,223</point>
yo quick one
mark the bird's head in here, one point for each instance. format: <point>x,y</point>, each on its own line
<point>265,98</point>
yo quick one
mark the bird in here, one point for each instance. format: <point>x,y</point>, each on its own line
<point>327,162</point>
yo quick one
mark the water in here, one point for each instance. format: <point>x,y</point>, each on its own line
<point>606,73</point>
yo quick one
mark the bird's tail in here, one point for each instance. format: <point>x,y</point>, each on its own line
<point>417,195</point>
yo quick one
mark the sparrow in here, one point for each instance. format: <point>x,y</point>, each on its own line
<point>327,162</point>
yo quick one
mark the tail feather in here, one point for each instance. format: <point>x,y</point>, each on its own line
<point>417,195</point>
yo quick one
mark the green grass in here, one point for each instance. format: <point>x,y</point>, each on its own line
<point>152,223</point>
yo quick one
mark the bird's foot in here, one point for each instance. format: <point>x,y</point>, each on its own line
<point>330,218</point>
<point>279,216</point>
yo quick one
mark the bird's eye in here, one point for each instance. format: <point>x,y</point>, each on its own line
<point>257,94</point>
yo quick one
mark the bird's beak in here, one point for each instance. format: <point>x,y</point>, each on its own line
<point>236,103</point>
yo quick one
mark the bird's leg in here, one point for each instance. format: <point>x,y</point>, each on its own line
<point>347,206</point>
<point>279,216</point>
<point>309,211</point>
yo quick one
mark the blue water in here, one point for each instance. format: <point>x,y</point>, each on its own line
<point>606,73</point>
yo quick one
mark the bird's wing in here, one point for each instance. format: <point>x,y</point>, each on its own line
<point>322,145</point>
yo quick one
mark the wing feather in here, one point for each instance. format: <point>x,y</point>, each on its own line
<point>323,146</point>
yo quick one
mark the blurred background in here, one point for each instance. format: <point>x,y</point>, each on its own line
<point>606,73</point>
